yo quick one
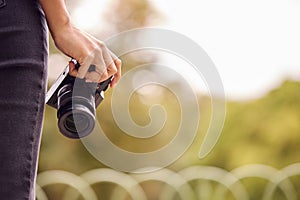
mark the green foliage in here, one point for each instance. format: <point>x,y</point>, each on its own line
<point>264,131</point>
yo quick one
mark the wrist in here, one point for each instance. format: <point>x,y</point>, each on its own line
<point>57,15</point>
<point>60,28</point>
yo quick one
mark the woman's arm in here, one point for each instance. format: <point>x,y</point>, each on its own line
<point>56,13</point>
<point>79,45</point>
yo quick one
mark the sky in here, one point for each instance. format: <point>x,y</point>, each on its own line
<point>255,45</point>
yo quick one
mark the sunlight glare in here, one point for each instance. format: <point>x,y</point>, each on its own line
<point>88,15</point>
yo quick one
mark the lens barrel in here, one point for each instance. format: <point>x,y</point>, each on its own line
<point>76,113</point>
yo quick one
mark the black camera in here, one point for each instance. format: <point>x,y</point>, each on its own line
<point>76,102</point>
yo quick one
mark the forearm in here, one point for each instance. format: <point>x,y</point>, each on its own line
<point>79,45</point>
<point>56,14</point>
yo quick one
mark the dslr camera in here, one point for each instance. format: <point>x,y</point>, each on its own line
<point>76,102</point>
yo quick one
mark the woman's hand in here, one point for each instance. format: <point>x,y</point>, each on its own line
<point>81,46</point>
<point>87,50</point>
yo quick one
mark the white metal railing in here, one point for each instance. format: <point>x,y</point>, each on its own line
<point>175,183</point>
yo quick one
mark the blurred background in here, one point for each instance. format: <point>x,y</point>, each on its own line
<point>254,45</point>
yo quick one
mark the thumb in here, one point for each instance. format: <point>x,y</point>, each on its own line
<point>72,69</point>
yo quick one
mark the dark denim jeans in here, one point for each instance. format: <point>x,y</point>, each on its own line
<point>23,72</point>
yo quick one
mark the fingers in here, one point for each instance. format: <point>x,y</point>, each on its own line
<point>117,75</point>
<point>100,70</point>
<point>106,64</point>
<point>111,68</point>
<point>118,64</point>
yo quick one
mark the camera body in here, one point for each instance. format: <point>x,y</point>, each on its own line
<point>76,102</point>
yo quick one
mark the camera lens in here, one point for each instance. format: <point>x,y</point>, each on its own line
<point>76,123</point>
<point>76,113</point>
<point>82,120</point>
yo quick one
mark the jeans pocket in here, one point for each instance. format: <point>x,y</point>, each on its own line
<point>2,3</point>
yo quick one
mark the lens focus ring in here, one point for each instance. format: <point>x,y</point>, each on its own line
<point>76,114</point>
